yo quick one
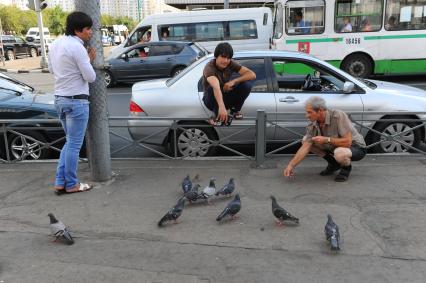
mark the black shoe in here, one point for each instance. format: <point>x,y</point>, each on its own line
<point>331,168</point>
<point>343,174</point>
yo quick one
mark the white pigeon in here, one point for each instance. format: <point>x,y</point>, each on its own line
<point>208,191</point>
<point>59,230</point>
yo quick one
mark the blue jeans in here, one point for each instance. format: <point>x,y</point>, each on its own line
<point>74,114</point>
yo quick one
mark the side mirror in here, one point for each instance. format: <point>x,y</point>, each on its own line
<point>124,57</point>
<point>348,87</point>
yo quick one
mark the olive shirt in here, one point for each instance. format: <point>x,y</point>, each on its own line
<point>222,75</point>
<point>337,124</point>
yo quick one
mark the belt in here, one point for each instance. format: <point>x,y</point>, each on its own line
<point>80,96</point>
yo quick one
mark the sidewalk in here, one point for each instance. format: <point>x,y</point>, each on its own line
<point>30,64</point>
<point>380,211</point>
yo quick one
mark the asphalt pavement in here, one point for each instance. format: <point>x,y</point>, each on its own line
<point>380,212</point>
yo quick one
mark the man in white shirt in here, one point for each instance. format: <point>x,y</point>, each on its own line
<point>70,63</point>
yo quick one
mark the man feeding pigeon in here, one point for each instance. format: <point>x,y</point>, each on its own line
<point>332,136</point>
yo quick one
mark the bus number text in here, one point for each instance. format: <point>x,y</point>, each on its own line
<point>355,40</point>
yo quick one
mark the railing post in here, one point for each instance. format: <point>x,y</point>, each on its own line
<point>260,137</point>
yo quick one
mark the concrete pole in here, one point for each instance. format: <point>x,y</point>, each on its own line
<point>97,138</point>
<point>43,60</point>
<point>226,4</point>
<point>1,44</point>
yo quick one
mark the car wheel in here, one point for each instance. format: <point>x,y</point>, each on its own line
<point>358,65</point>
<point>109,79</point>
<point>10,55</point>
<point>193,142</point>
<point>394,128</point>
<point>33,52</point>
<point>25,148</point>
<point>177,70</point>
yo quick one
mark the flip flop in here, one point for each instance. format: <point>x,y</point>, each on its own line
<point>238,115</point>
<point>83,188</point>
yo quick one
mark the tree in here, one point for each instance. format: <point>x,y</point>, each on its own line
<point>107,20</point>
<point>128,22</point>
<point>55,19</point>
<point>14,19</point>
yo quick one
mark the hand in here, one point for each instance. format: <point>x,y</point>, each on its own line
<point>92,53</point>
<point>289,171</point>
<point>229,86</point>
<point>320,140</point>
<point>222,115</point>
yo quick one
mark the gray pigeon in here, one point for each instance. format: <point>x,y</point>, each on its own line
<point>59,230</point>
<point>173,213</point>
<point>332,234</point>
<point>231,209</point>
<point>192,195</point>
<point>281,214</point>
<point>186,184</point>
<point>228,189</point>
<point>208,191</point>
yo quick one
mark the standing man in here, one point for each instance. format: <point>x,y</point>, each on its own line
<point>331,136</point>
<point>220,92</point>
<point>69,62</point>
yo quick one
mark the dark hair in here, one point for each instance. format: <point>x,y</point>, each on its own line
<point>77,21</point>
<point>224,49</point>
<point>299,13</point>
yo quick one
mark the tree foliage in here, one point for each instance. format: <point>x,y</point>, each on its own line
<point>19,21</point>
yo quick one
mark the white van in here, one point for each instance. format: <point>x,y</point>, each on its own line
<point>244,29</point>
<point>33,33</point>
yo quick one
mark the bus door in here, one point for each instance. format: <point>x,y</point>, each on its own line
<point>294,82</point>
<point>304,27</point>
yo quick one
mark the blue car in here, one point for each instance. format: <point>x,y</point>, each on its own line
<point>151,60</point>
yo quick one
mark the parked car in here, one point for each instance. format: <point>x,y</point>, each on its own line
<point>21,101</point>
<point>152,60</point>
<point>48,42</point>
<point>15,46</point>
<point>285,80</point>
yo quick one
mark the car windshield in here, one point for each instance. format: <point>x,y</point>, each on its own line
<point>171,81</point>
<point>10,83</point>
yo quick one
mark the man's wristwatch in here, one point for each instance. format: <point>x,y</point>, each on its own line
<point>329,140</point>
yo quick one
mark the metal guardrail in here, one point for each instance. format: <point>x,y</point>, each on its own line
<point>30,147</point>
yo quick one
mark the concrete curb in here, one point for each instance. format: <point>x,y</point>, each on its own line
<point>18,71</point>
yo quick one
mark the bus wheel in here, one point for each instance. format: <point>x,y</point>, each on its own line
<point>358,65</point>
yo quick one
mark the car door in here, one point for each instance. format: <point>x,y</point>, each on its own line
<point>289,81</point>
<point>21,47</point>
<point>162,58</point>
<point>261,97</point>
<point>132,65</point>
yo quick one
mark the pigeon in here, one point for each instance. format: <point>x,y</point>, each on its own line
<point>228,189</point>
<point>59,230</point>
<point>186,184</point>
<point>332,234</point>
<point>231,209</point>
<point>281,214</point>
<point>208,191</point>
<point>173,213</point>
<point>192,195</point>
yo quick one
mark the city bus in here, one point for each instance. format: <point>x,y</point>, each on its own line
<point>362,37</point>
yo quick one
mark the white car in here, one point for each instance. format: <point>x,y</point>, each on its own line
<point>285,80</point>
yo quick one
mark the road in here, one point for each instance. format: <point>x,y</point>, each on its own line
<point>118,105</point>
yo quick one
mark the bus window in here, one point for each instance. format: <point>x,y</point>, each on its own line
<point>181,32</point>
<point>305,17</point>
<point>138,35</point>
<point>242,30</point>
<point>278,21</point>
<point>358,15</point>
<point>210,31</point>
<point>405,15</point>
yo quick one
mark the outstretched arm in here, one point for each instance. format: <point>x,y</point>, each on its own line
<point>298,157</point>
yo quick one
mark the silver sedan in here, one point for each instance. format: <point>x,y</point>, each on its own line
<point>285,80</point>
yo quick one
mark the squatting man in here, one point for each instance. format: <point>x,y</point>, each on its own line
<point>330,135</point>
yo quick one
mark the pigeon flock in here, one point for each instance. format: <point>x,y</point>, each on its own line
<point>192,193</point>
